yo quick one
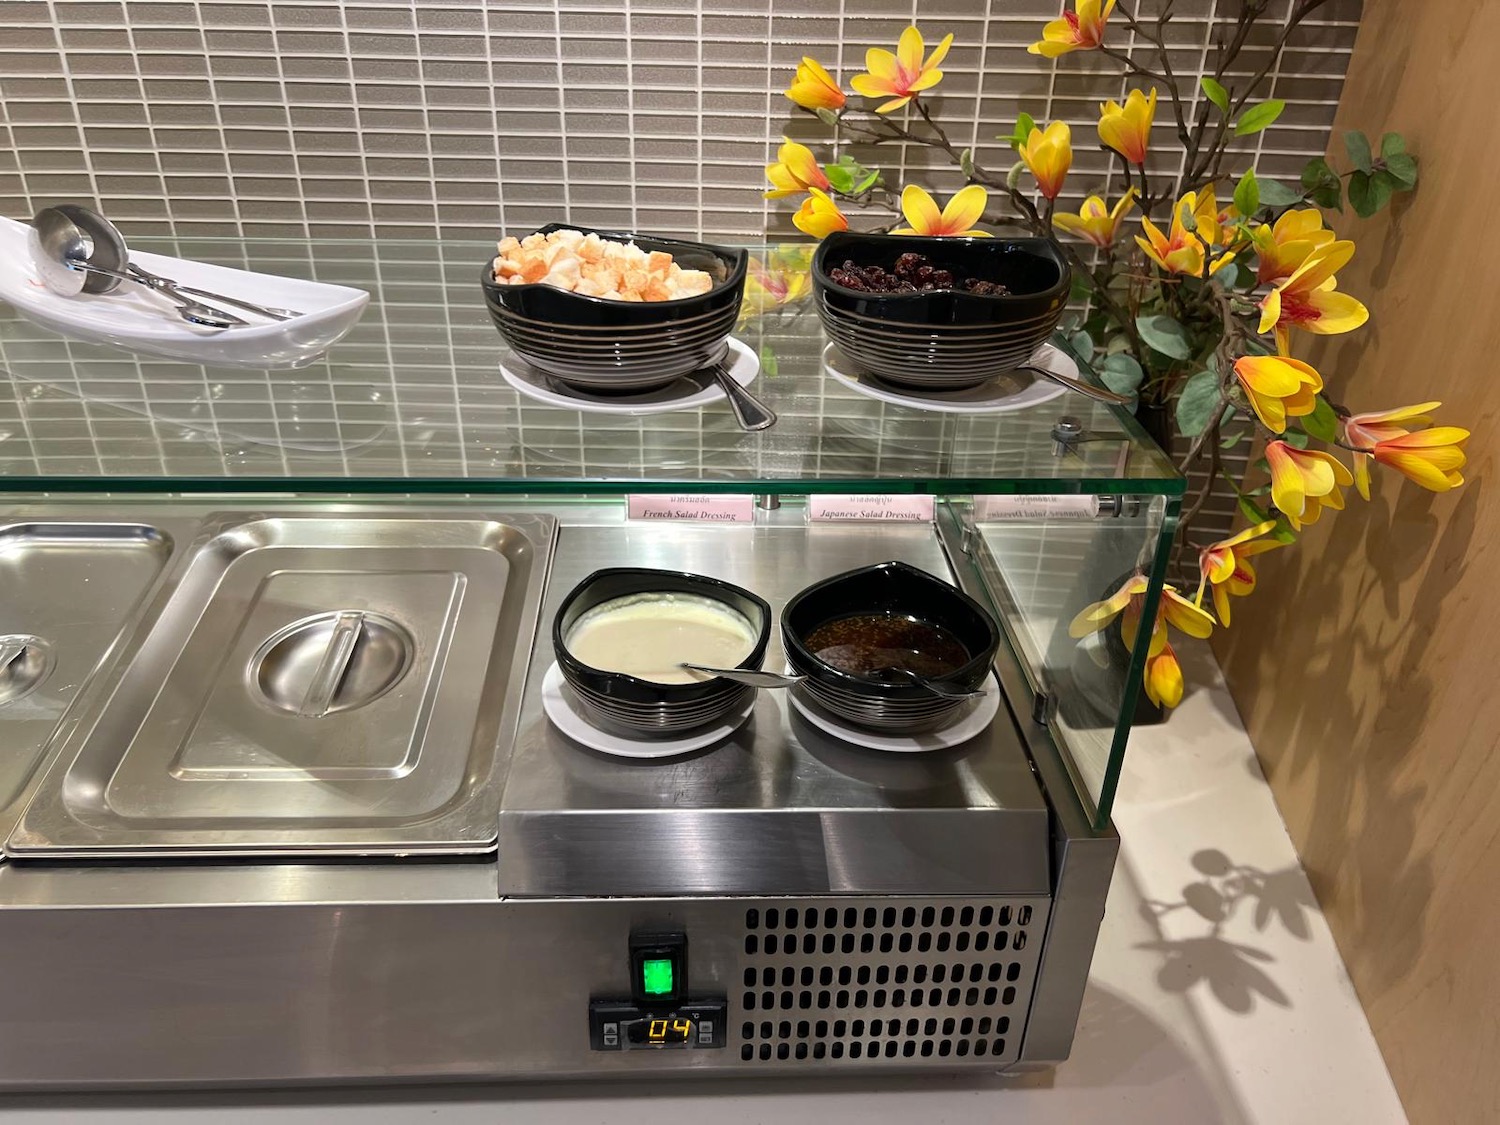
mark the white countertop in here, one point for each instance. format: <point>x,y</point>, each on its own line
<point>1217,995</point>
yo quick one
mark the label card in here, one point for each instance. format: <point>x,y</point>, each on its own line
<point>903,509</point>
<point>700,507</point>
<point>1036,507</point>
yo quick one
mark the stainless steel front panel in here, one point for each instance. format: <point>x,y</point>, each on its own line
<point>310,684</point>
<point>366,992</point>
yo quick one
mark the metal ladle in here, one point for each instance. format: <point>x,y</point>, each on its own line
<point>109,253</point>
<point>60,250</point>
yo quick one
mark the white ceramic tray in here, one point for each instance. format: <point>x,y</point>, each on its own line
<point>135,318</point>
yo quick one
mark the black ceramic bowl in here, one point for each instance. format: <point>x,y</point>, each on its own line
<point>898,590</point>
<point>942,339</point>
<point>1032,268</point>
<point>560,308</point>
<point>616,701</point>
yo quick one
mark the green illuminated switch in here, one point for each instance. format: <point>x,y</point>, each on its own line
<point>656,976</point>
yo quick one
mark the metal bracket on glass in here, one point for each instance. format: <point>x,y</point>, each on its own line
<point>1043,707</point>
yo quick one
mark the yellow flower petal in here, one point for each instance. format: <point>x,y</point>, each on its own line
<point>909,51</point>
<point>882,64</point>
<point>920,209</point>
<point>964,209</point>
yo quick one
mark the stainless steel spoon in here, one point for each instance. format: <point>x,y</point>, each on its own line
<point>752,676</point>
<point>760,679</point>
<point>1098,394</point>
<point>110,253</point>
<point>59,250</point>
<point>749,411</point>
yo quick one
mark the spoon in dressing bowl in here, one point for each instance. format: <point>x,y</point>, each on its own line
<point>759,679</point>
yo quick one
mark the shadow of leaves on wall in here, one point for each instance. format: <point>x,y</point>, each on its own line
<point>1231,897</point>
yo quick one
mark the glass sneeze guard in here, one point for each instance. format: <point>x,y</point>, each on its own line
<point>412,402</point>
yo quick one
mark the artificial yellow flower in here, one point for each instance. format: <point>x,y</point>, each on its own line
<point>1309,299</point>
<point>1127,128</point>
<point>814,88</point>
<point>1305,481</point>
<point>1182,250</point>
<point>904,75</point>
<point>1278,387</point>
<point>1163,679</point>
<point>1079,30</point>
<point>959,217</point>
<point>819,216</point>
<point>1430,457</point>
<point>1224,567</point>
<point>1129,600</point>
<point>1285,246</point>
<point>796,170</point>
<point>1094,222</point>
<point>1048,153</point>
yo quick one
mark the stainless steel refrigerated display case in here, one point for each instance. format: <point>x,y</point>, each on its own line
<point>280,799</point>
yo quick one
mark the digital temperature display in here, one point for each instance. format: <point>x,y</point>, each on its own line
<point>675,1032</point>
<point>621,1025</point>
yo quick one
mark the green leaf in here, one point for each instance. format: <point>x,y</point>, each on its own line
<point>1024,125</point>
<point>827,116</point>
<point>839,178</point>
<point>1215,93</point>
<point>1274,193</point>
<point>1234,439</point>
<point>1283,532</point>
<point>1258,117</point>
<point>1253,511</point>
<point>1261,465</point>
<point>1403,169</point>
<point>768,362</point>
<point>1323,184</point>
<point>1197,403</point>
<point>1368,194</point>
<point>1121,373</point>
<point>1259,345</point>
<point>1322,423</point>
<point>1165,335</point>
<point>1082,343</point>
<point>1392,144</point>
<point>1247,194</point>
<point>867,183</point>
<point>966,162</point>
<point>1228,275</point>
<point>1296,438</point>
<point>1358,147</point>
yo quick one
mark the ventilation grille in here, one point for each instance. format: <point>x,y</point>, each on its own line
<point>907,981</point>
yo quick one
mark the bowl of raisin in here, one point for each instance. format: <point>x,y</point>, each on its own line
<point>938,313</point>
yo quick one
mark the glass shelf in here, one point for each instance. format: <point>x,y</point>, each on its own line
<point>412,402</point>
<point>414,393</point>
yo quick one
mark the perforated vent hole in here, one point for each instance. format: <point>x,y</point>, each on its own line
<point>882,981</point>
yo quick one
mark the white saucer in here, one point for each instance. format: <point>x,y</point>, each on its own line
<point>997,396</point>
<point>687,393</point>
<point>560,710</point>
<point>974,721</point>
<point>132,317</point>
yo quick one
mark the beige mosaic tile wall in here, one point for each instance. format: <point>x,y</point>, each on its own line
<point>339,118</point>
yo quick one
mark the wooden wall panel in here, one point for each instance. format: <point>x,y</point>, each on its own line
<point>1368,664</point>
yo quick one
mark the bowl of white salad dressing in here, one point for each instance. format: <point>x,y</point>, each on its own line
<point>622,634</point>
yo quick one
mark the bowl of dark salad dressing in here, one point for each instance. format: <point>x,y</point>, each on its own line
<point>850,633</point>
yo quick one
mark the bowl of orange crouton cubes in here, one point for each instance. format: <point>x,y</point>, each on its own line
<point>610,311</point>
